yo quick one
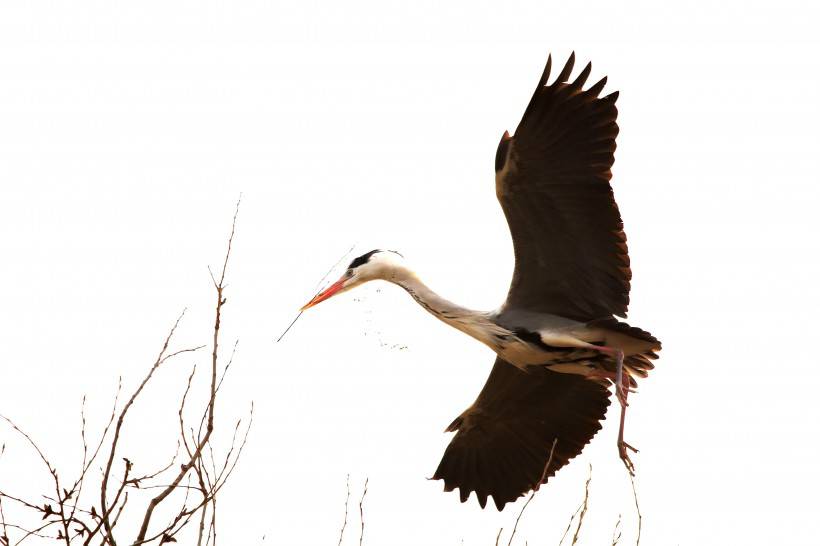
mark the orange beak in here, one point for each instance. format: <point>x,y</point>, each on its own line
<point>325,294</point>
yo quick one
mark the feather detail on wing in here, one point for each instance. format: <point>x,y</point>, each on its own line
<point>503,441</point>
<point>552,180</point>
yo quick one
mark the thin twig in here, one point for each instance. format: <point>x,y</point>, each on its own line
<point>534,490</point>
<point>120,510</point>
<point>78,485</point>
<point>347,501</point>
<point>35,532</point>
<point>21,501</point>
<point>316,291</point>
<point>637,508</point>
<point>105,517</point>
<point>212,528</point>
<point>30,441</point>
<point>569,525</point>
<point>299,314</point>
<point>4,539</point>
<point>52,470</point>
<point>201,529</point>
<point>206,411</point>
<point>361,511</point>
<point>583,508</point>
<point>616,534</point>
<point>182,409</point>
<point>224,479</point>
<point>137,482</point>
<point>498,536</point>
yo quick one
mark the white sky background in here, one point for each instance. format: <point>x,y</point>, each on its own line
<point>127,133</point>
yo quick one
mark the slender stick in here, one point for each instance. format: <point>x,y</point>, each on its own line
<point>316,291</point>
<point>347,501</point>
<point>4,538</point>
<point>616,533</point>
<point>220,301</point>
<point>638,508</point>
<point>583,508</point>
<point>361,510</point>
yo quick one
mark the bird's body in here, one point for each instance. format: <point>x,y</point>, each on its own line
<point>520,337</point>
<point>557,340</point>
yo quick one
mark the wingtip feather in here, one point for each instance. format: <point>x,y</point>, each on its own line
<point>582,77</point>
<point>596,89</point>
<point>546,74</point>
<point>564,75</point>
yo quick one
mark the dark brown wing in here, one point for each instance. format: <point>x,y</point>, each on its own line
<point>552,179</point>
<point>504,439</point>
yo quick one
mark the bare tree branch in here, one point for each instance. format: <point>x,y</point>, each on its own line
<point>197,453</point>
<point>161,358</point>
<point>52,470</point>
<point>65,508</point>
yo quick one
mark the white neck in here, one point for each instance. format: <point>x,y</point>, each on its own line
<point>473,323</point>
<point>438,306</point>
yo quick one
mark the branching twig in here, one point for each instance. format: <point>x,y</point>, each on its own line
<point>161,358</point>
<point>203,441</point>
<point>65,509</point>
<point>52,470</point>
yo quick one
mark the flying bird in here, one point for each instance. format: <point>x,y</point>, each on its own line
<point>558,342</point>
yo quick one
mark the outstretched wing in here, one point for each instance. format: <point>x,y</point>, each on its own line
<point>503,441</point>
<point>552,179</point>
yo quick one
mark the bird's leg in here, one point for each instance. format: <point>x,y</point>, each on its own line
<point>622,445</point>
<point>622,382</point>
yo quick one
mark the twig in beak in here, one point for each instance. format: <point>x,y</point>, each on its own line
<point>316,292</point>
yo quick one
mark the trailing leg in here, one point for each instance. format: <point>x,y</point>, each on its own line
<point>622,383</point>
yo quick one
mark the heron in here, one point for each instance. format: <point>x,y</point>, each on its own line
<point>558,339</point>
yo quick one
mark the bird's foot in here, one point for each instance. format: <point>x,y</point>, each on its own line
<point>624,454</point>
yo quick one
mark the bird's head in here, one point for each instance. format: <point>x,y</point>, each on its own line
<point>376,264</point>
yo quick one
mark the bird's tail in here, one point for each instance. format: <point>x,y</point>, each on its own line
<point>639,346</point>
